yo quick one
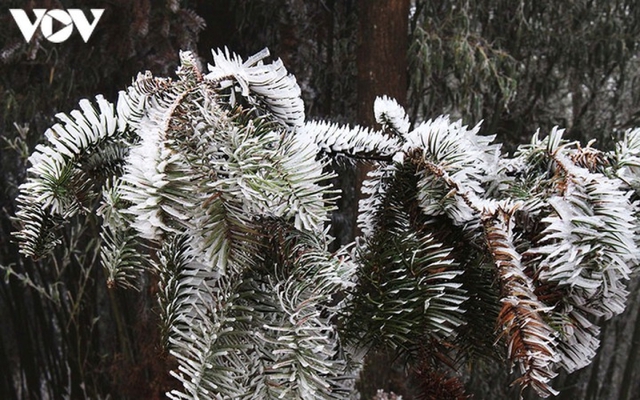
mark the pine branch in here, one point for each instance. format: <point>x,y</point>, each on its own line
<point>408,285</point>
<point>210,345</point>
<point>356,142</point>
<point>391,116</point>
<point>458,169</point>
<point>530,341</point>
<point>270,334</point>
<point>268,87</point>
<point>222,181</point>
<point>298,342</point>
<point>66,174</point>
<point>627,158</point>
<point>120,257</point>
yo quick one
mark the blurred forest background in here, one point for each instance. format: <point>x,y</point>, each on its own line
<point>516,65</point>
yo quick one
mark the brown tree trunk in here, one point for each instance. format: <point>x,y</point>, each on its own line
<point>382,70</point>
<point>383,42</point>
<point>382,54</point>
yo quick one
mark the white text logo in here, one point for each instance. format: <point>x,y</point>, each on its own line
<point>66,18</point>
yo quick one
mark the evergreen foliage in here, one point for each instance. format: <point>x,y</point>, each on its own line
<point>215,186</point>
<point>518,65</point>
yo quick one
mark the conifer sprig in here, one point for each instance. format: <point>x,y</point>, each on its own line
<point>215,183</point>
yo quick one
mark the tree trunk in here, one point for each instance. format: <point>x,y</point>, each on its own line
<point>382,54</point>
<point>382,70</point>
<point>383,41</point>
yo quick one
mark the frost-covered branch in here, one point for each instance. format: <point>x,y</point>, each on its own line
<point>216,184</point>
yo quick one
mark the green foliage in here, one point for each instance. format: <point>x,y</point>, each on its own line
<point>573,210</point>
<point>512,64</point>
<point>214,186</point>
<point>518,65</point>
<point>211,160</point>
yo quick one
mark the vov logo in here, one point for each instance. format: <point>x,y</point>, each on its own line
<point>67,18</point>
